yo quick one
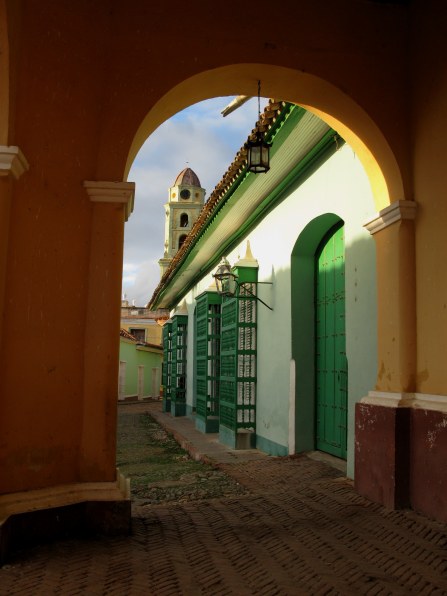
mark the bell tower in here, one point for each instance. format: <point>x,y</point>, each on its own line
<point>186,199</point>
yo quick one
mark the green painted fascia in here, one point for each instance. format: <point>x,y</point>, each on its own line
<point>328,145</point>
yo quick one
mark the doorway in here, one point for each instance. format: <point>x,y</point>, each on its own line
<point>331,374</point>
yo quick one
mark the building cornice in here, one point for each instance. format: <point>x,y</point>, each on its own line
<point>12,161</point>
<point>112,192</point>
<point>400,210</point>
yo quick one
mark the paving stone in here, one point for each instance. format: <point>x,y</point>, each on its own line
<point>300,529</point>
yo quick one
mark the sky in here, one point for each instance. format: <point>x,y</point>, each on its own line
<point>198,137</point>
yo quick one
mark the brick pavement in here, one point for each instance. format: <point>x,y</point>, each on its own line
<point>301,529</point>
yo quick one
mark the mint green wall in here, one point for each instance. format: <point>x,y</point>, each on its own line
<point>128,355</point>
<point>135,356</point>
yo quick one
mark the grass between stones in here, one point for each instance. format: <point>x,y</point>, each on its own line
<point>160,470</point>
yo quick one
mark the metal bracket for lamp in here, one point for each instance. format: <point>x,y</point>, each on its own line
<point>258,150</point>
<point>227,283</point>
<point>242,285</point>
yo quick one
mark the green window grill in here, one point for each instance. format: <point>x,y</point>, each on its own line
<point>167,366</point>
<point>207,362</point>
<point>178,379</point>
<point>238,363</point>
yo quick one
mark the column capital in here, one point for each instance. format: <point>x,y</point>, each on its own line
<point>397,211</point>
<point>12,161</point>
<point>112,192</point>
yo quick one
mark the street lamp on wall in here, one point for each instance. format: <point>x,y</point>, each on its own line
<point>227,283</point>
<point>258,151</point>
<point>225,279</point>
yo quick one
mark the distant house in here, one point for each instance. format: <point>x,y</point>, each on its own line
<point>141,352</point>
<point>140,368</point>
<point>141,322</point>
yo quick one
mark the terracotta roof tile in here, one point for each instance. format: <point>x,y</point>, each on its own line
<point>127,335</point>
<point>187,176</point>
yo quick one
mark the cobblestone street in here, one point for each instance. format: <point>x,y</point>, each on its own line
<point>297,528</point>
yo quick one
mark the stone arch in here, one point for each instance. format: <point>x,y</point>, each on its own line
<point>303,329</point>
<point>4,75</point>
<point>319,96</point>
<point>184,220</point>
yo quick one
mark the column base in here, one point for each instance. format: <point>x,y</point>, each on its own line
<point>382,449</point>
<point>208,425</point>
<point>178,409</point>
<point>243,439</point>
<point>74,510</point>
<point>428,479</point>
<point>400,447</point>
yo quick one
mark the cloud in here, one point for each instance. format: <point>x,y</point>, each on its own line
<point>198,137</point>
<point>139,287</point>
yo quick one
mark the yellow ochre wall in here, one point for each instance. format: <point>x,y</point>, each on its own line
<point>88,82</point>
<point>429,120</point>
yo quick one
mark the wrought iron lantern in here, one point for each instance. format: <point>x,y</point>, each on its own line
<point>227,283</point>
<point>258,151</point>
<point>225,279</point>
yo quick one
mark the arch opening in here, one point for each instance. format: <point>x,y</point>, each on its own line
<point>4,74</point>
<point>319,96</point>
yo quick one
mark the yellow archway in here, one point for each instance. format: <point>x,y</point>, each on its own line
<point>4,75</point>
<point>318,96</point>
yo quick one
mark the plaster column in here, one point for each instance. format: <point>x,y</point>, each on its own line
<point>112,203</point>
<point>12,165</point>
<point>382,433</point>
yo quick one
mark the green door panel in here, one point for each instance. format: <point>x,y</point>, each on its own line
<point>330,345</point>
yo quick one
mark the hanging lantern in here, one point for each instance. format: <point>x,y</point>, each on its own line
<point>258,151</point>
<point>258,155</point>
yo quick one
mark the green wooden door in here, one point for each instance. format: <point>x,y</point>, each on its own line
<point>330,344</point>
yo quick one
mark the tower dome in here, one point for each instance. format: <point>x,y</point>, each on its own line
<point>187,177</point>
<point>186,199</point>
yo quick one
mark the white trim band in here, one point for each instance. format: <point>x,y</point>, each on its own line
<point>422,401</point>
<point>12,161</point>
<point>112,192</point>
<point>391,214</point>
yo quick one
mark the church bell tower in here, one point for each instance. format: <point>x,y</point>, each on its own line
<point>186,199</point>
